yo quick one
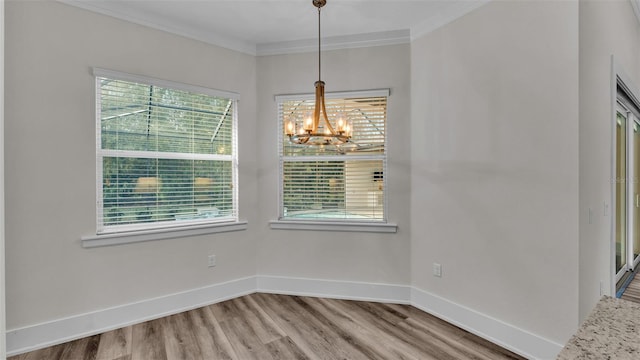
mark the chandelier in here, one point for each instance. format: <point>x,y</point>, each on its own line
<point>312,132</point>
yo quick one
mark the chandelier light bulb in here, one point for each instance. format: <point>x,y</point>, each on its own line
<point>340,124</point>
<point>290,128</point>
<point>308,123</point>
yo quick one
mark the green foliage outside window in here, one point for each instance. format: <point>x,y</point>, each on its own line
<point>167,154</point>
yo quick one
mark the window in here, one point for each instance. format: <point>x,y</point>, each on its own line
<point>166,153</point>
<point>627,186</point>
<point>335,183</point>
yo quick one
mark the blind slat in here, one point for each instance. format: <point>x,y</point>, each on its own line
<point>335,182</point>
<point>168,155</point>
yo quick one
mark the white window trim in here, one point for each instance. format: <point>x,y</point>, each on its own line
<point>335,95</point>
<point>171,231</point>
<point>382,226</point>
<point>130,237</point>
<point>378,227</point>
<point>99,72</point>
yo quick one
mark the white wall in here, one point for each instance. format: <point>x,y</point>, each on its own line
<point>606,28</point>
<point>494,164</point>
<point>367,257</point>
<point>487,184</point>
<point>3,344</point>
<point>50,164</point>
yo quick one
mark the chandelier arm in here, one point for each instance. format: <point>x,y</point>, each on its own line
<point>324,112</point>
<point>316,108</point>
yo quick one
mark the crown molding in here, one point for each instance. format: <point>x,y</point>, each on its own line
<point>246,47</point>
<point>335,43</point>
<point>393,37</point>
<point>227,42</point>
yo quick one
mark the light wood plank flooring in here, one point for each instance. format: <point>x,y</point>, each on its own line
<point>266,326</point>
<point>632,292</point>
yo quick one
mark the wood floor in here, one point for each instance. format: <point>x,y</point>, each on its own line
<point>632,292</point>
<point>266,326</point>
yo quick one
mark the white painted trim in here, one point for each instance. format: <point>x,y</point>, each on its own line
<point>91,241</point>
<point>384,38</point>
<point>499,332</point>
<point>613,201</point>
<point>335,95</point>
<point>216,39</point>
<point>334,226</point>
<point>62,330</point>
<point>335,43</point>
<point>392,37</point>
<point>519,341</point>
<point>247,47</point>
<point>302,158</point>
<point>631,207</point>
<point>74,327</point>
<point>148,80</point>
<point>164,155</point>
<point>334,289</point>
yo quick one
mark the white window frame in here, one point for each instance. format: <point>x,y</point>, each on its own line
<point>349,225</point>
<point>157,231</point>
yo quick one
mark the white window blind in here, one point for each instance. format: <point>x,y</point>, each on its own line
<point>333,183</point>
<point>166,154</point>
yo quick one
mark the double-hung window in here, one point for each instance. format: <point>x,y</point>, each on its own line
<point>335,183</point>
<point>166,154</point>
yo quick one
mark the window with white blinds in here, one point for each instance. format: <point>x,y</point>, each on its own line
<point>329,182</point>
<point>166,153</point>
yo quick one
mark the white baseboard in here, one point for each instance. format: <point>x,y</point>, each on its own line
<point>74,327</point>
<point>519,341</point>
<point>350,290</point>
<point>58,331</point>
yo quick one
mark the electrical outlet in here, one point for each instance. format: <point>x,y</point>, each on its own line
<point>437,270</point>
<point>211,261</point>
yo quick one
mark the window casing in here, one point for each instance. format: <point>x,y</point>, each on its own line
<point>335,183</point>
<point>166,154</point>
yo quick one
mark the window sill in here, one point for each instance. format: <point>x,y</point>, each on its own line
<point>333,226</point>
<point>92,241</point>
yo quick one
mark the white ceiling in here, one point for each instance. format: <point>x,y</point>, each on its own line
<point>262,27</point>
